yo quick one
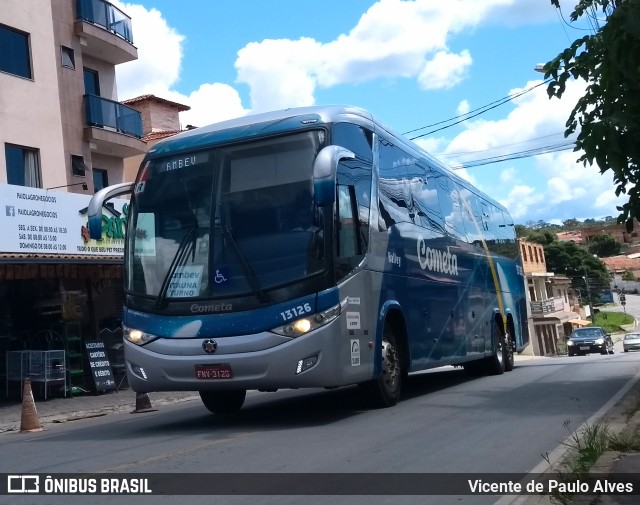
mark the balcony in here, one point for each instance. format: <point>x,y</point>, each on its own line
<point>113,128</point>
<point>105,32</point>
<point>549,306</point>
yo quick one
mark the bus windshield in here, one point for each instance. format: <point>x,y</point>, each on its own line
<point>236,220</point>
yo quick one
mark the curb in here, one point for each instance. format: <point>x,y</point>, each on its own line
<point>620,423</point>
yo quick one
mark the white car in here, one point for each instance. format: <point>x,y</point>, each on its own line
<point>631,342</point>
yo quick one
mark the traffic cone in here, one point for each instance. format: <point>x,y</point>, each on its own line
<point>29,420</point>
<point>143,404</point>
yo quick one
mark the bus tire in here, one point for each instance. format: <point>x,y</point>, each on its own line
<point>223,402</point>
<point>496,363</point>
<point>509,361</point>
<point>385,391</point>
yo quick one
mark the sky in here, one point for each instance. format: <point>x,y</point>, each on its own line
<point>411,63</point>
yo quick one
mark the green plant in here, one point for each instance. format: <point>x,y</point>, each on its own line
<point>611,321</point>
<point>584,447</point>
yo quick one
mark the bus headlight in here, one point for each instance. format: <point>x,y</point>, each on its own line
<point>306,324</point>
<point>137,337</point>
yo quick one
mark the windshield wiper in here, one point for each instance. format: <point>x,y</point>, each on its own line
<point>250,275</point>
<point>187,245</point>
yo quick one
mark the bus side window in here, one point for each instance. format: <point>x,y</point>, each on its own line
<point>348,243</point>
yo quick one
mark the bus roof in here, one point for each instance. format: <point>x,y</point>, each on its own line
<point>280,121</point>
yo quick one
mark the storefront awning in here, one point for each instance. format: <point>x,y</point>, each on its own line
<point>579,322</point>
<point>52,258</point>
<point>42,266</point>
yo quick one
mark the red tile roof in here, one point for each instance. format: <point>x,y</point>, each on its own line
<point>160,135</point>
<point>143,98</point>
<point>621,263</point>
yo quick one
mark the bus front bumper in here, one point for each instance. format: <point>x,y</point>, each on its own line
<point>322,358</point>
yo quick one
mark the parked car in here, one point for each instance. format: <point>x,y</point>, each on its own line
<point>587,340</point>
<point>631,342</point>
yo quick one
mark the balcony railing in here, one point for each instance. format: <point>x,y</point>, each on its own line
<point>105,113</point>
<point>107,16</point>
<point>547,306</point>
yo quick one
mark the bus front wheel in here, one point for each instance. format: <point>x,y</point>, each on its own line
<point>223,402</point>
<point>385,391</point>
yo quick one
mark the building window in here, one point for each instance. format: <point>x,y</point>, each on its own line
<point>91,82</point>
<point>23,167</point>
<point>100,179</point>
<point>77,165</point>
<point>68,58</point>
<point>14,52</point>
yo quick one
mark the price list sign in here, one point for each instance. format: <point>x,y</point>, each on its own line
<point>99,365</point>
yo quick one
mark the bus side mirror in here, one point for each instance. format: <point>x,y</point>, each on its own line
<point>324,173</point>
<point>94,211</point>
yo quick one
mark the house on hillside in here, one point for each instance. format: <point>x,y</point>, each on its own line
<point>618,266</point>
<point>553,308</point>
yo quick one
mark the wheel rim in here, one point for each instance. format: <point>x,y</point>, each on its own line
<point>390,367</point>
<point>499,351</point>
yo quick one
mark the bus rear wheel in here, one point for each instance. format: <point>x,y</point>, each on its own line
<point>223,402</point>
<point>496,364</point>
<point>509,361</point>
<point>385,391</point>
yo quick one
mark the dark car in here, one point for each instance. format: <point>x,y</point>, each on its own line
<point>587,340</point>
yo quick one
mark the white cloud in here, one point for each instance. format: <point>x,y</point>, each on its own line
<point>279,72</point>
<point>392,39</point>
<point>157,68</point>
<point>508,175</point>
<point>569,188</point>
<point>445,70</point>
<point>520,199</point>
<point>463,108</point>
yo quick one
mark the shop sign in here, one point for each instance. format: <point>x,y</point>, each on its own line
<point>44,221</point>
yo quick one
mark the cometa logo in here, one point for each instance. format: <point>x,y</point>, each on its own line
<point>436,260</point>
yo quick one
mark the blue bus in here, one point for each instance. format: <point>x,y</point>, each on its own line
<point>310,247</point>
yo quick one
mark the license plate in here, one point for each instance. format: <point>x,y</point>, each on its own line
<point>584,348</point>
<point>213,372</point>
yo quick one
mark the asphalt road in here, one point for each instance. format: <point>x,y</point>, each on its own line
<point>446,422</point>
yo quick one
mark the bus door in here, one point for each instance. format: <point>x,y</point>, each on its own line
<point>351,241</point>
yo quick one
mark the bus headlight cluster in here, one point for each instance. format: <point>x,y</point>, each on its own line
<point>137,337</point>
<point>308,323</point>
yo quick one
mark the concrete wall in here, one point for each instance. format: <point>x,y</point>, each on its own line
<point>29,112</point>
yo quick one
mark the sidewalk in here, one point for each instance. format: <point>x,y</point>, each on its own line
<point>60,410</point>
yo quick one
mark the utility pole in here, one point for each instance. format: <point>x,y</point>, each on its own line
<point>586,281</point>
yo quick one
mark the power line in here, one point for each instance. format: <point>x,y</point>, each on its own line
<point>473,113</point>
<point>462,153</point>
<point>553,148</point>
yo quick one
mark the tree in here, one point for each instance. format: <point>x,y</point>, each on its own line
<point>628,276</point>
<point>521,230</point>
<point>604,245</point>
<point>541,237</point>
<point>607,117</point>
<point>571,223</point>
<point>566,258</point>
